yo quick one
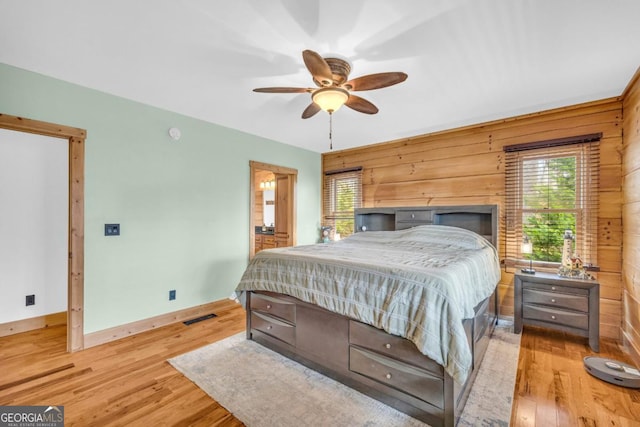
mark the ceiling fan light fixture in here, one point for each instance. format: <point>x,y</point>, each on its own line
<point>330,99</point>
<point>331,75</point>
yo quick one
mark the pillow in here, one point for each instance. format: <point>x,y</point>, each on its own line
<point>446,235</point>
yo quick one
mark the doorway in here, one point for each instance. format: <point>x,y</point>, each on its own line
<point>272,206</point>
<point>75,269</point>
<point>33,231</point>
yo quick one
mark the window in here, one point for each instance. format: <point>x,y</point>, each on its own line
<point>342,195</point>
<point>552,186</point>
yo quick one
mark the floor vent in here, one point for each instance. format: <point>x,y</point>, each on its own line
<point>199,319</point>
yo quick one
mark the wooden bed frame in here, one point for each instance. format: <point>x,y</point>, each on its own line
<point>386,367</point>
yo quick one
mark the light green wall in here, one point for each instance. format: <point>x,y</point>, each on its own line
<point>183,206</point>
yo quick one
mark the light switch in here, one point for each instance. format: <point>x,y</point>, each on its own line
<point>112,229</point>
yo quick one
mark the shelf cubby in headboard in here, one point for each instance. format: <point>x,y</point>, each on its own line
<point>481,219</point>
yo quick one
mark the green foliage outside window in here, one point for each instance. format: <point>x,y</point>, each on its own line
<point>344,227</point>
<point>549,205</point>
<point>345,201</point>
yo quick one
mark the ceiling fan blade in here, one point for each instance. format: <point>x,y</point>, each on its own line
<point>360,104</point>
<point>282,89</point>
<point>318,67</point>
<point>311,110</point>
<point>375,81</point>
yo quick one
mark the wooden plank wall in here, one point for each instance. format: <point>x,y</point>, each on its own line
<point>465,166</point>
<point>631,215</point>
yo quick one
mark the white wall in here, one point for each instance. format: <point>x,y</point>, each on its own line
<point>33,224</point>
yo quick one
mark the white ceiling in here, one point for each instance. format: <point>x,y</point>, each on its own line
<point>468,61</point>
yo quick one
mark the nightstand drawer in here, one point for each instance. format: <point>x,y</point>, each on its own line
<point>573,302</point>
<point>564,303</point>
<point>560,317</point>
<point>547,287</point>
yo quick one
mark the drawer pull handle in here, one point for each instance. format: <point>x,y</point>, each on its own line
<point>269,327</point>
<point>268,306</point>
<point>387,346</point>
<point>413,216</point>
<point>388,376</point>
<point>553,300</point>
<point>553,317</point>
<point>553,288</point>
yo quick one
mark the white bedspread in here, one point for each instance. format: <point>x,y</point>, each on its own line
<point>417,283</point>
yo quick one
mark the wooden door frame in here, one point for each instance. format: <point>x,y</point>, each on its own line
<point>75,270</point>
<point>293,175</point>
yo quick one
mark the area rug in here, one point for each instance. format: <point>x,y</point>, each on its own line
<point>232,372</point>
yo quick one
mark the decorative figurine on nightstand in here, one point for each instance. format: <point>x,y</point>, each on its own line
<point>567,249</point>
<point>325,234</point>
<point>527,248</point>
<point>572,265</point>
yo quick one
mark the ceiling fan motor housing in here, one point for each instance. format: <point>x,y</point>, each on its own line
<point>340,70</point>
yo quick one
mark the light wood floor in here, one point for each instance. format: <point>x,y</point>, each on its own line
<point>553,388</point>
<point>128,382</point>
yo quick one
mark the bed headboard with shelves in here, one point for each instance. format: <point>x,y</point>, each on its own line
<point>481,219</point>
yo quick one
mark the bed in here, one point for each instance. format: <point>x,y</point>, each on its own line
<point>402,310</point>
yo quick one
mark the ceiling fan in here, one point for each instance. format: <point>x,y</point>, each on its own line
<point>334,90</point>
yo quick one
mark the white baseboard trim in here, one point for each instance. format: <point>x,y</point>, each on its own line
<point>107,335</point>
<point>39,322</point>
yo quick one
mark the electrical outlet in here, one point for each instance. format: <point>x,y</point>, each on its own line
<point>31,300</point>
<point>172,295</point>
<point>112,229</point>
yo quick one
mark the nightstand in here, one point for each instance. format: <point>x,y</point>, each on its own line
<point>562,303</point>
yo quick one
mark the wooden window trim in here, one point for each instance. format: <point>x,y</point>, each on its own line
<point>586,211</point>
<point>329,215</point>
<point>558,142</point>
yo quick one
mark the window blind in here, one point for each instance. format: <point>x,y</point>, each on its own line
<point>342,194</point>
<point>552,186</point>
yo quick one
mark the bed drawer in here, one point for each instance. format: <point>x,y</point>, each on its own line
<point>408,219</point>
<point>399,348</point>
<point>572,319</point>
<point>482,319</point>
<point>414,216</point>
<point>272,326</point>
<point>573,302</point>
<point>407,378</point>
<point>274,306</point>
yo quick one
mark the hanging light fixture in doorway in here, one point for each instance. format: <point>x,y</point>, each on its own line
<point>267,185</point>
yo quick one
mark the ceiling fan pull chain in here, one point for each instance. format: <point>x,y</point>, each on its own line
<point>330,131</point>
